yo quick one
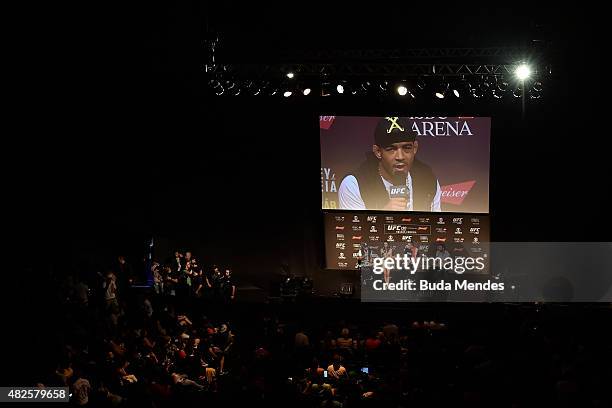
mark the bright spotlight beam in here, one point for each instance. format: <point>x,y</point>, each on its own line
<point>522,72</point>
<point>402,90</point>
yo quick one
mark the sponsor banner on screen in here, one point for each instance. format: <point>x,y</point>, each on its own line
<point>457,235</point>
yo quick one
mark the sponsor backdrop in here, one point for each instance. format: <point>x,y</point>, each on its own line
<point>456,149</point>
<point>345,233</point>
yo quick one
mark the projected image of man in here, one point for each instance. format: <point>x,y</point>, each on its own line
<point>391,178</point>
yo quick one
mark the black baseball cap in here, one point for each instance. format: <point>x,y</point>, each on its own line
<point>393,129</point>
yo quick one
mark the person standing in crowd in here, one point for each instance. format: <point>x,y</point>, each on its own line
<point>216,283</point>
<point>188,257</point>
<point>442,254</point>
<point>171,281</point>
<point>228,287</point>
<point>364,254</point>
<point>158,280</point>
<point>193,276</point>
<point>386,252</point>
<point>410,250</point>
<point>109,286</point>
<point>185,280</point>
<point>125,274</point>
<point>198,283</point>
<point>177,263</point>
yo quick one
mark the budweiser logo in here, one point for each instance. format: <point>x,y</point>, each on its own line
<point>456,193</point>
<point>325,122</point>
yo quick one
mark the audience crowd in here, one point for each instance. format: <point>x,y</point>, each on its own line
<point>184,342</point>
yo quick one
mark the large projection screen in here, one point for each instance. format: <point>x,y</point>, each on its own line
<point>425,164</point>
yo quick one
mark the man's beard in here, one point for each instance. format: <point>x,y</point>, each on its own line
<point>399,177</point>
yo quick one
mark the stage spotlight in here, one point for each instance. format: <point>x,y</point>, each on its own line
<point>522,72</point>
<point>537,86</point>
<point>402,90</point>
<point>232,88</point>
<point>325,89</point>
<point>478,87</point>
<point>306,91</point>
<point>502,85</point>
<point>217,87</point>
<point>287,94</point>
<point>383,87</point>
<point>340,89</point>
<point>442,89</point>
<point>536,90</point>
<point>290,75</point>
<point>461,87</point>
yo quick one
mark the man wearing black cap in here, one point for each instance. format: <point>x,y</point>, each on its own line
<point>391,163</point>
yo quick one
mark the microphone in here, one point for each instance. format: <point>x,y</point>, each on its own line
<point>399,191</point>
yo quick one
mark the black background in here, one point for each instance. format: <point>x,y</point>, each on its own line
<point>119,121</point>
